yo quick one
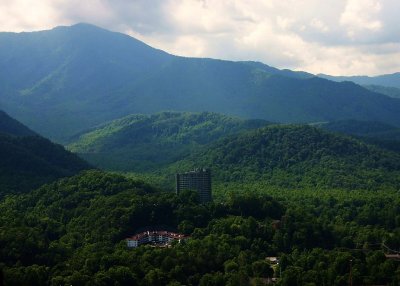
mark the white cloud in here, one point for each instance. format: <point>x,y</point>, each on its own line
<point>319,25</point>
<point>361,16</point>
<point>26,15</point>
<point>332,36</point>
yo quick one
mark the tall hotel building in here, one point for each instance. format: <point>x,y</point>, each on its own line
<point>198,180</point>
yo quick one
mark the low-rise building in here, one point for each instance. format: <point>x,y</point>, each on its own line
<point>155,237</point>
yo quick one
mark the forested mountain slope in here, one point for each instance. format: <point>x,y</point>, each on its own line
<point>11,126</point>
<point>66,80</point>
<point>363,128</point>
<point>28,160</point>
<point>147,142</point>
<point>377,133</point>
<point>298,156</point>
<point>389,91</point>
<point>387,80</point>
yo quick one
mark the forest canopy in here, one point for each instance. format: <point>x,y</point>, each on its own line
<point>73,232</point>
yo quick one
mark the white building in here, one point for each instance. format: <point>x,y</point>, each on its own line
<point>160,238</point>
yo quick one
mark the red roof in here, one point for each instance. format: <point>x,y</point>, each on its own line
<point>169,234</point>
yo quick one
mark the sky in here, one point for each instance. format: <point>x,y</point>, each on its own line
<point>337,37</point>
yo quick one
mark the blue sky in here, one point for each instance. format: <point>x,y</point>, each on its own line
<point>339,37</point>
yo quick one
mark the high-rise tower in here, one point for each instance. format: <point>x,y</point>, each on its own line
<point>198,180</point>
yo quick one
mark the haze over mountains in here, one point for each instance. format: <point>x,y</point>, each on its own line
<point>80,76</point>
<point>388,80</point>
<point>388,84</point>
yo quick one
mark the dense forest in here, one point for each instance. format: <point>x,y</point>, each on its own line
<point>244,150</point>
<point>371,129</point>
<point>326,205</point>
<point>148,142</point>
<point>72,232</point>
<point>29,160</point>
<point>10,126</point>
<point>376,133</point>
<point>308,194</point>
<point>297,156</point>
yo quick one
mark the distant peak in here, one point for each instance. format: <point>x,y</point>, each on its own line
<point>84,25</point>
<point>80,26</point>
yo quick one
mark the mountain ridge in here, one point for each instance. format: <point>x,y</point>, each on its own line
<point>29,160</point>
<point>10,126</point>
<point>297,156</point>
<point>147,142</point>
<point>66,80</point>
<point>386,80</point>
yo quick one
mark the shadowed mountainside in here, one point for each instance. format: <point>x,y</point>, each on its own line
<point>28,160</point>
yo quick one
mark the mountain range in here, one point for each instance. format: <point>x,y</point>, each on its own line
<point>70,79</point>
<point>310,194</point>
<point>387,80</point>
<point>388,84</point>
<point>243,151</point>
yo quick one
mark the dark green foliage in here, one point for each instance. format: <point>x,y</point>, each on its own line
<point>72,232</point>
<point>11,126</point>
<point>372,129</point>
<point>30,161</point>
<point>143,143</point>
<point>376,133</point>
<point>81,76</point>
<point>298,156</point>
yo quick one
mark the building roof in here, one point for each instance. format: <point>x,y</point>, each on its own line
<point>169,234</point>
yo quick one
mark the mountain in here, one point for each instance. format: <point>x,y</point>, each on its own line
<point>147,142</point>
<point>384,84</point>
<point>28,160</point>
<point>364,128</point>
<point>63,81</point>
<point>387,80</point>
<point>376,133</point>
<point>10,126</point>
<point>61,73</point>
<point>297,156</point>
<point>386,90</point>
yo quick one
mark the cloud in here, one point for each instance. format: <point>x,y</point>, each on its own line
<point>361,16</point>
<point>26,15</point>
<point>332,36</point>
